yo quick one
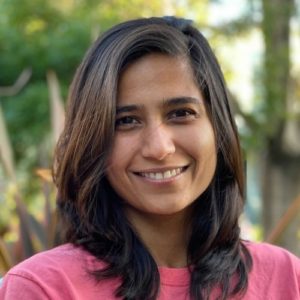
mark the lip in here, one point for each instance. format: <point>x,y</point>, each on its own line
<point>160,170</point>
<point>141,174</point>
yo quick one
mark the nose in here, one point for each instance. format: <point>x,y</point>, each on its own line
<point>158,143</point>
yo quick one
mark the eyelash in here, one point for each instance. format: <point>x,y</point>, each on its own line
<point>128,122</point>
<point>187,114</point>
<point>120,121</point>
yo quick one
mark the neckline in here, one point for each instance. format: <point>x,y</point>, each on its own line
<point>174,276</point>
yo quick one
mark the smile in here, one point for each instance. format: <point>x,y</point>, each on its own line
<point>167,174</point>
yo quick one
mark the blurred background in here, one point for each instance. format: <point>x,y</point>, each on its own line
<point>41,43</point>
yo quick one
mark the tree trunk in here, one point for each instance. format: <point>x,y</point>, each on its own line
<point>281,185</point>
<point>281,172</point>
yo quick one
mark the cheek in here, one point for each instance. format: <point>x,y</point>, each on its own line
<point>123,151</point>
<point>202,148</point>
<point>201,143</point>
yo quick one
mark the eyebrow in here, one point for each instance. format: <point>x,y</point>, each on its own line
<point>181,101</point>
<point>166,103</point>
<point>127,108</point>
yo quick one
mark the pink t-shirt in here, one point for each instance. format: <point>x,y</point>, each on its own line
<point>60,274</point>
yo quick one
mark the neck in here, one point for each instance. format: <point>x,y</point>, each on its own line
<point>164,236</point>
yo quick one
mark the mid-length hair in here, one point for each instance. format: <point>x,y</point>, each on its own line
<point>93,213</point>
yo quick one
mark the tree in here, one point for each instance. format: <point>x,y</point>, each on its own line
<point>281,158</point>
<point>54,35</point>
<point>272,129</point>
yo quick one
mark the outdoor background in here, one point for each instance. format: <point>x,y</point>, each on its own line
<point>42,41</point>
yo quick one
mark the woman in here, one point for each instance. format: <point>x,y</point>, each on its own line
<point>150,181</point>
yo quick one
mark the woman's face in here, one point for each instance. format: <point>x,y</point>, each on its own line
<point>164,152</point>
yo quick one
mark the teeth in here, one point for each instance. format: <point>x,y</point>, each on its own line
<point>159,176</point>
<point>163,175</point>
<point>151,175</point>
<point>167,174</point>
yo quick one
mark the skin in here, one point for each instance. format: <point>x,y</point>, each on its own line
<point>164,152</point>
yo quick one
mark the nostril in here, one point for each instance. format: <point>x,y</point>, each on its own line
<point>158,142</point>
<point>158,150</point>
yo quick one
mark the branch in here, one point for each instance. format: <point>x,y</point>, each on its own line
<point>232,28</point>
<point>250,120</point>
<point>18,85</point>
<point>284,222</point>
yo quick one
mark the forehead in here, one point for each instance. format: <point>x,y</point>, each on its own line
<point>157,76</point>
<point>158,62</point>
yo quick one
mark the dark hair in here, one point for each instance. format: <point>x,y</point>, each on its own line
<point>91,210</point>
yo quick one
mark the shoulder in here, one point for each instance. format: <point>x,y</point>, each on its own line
<point>60,271</point>
<point>275,272</point>
<point>53,260</point>
<point>264,252</point>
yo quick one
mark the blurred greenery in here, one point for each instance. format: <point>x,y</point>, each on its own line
<point>48,35</point>
<point>40,36</point>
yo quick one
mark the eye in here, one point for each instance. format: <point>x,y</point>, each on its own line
<point>182,114</point>
<point>126,122</point>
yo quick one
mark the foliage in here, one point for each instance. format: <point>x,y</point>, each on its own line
<point>34,230</point>
<point>53,35</point>
<point>42,36</point>
<point>31,233</point>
